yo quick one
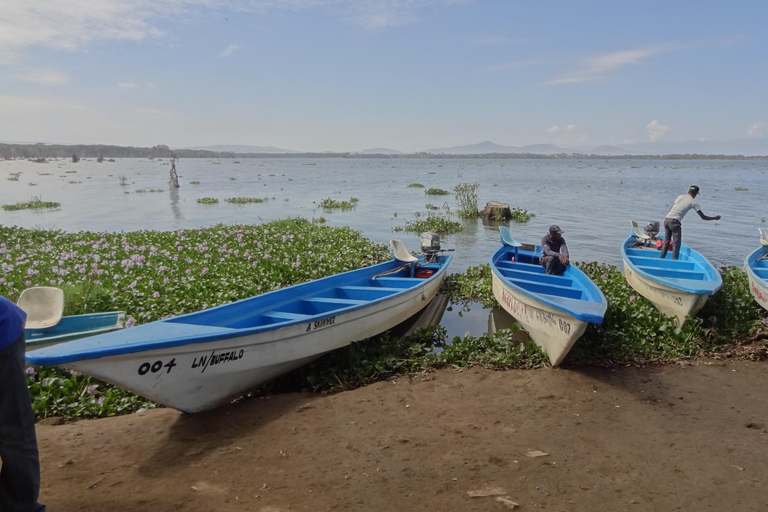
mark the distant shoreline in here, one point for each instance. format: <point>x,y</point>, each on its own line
<point>37,151</point>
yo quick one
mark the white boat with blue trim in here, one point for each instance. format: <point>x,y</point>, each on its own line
<point>201,360</point>
<point>677,288</point>
<point>555,310</point>
<point>756,265</point>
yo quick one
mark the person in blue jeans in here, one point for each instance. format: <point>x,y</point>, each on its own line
<point>20,475</point>
<point>673,228</point>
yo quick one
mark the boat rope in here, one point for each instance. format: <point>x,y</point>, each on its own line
<point>392,271</point>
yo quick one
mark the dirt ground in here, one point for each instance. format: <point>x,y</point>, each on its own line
<point>677,437</point>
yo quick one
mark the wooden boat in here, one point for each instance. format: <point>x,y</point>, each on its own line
<point>677,288</point>
<point>757,270</point>
<point>74,327</point>
<point>555,310</point>
<point>201,360</point>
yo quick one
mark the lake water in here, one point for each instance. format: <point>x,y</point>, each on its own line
<point>591,200</point>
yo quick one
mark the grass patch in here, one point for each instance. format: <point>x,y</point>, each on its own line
<point>521,215</point>
<point>415,185</point>
<point>436,192</point>
<point>194,182</point>
<point>466,199</point>
<point>246,200</point>
<point>741,189</point>
<point>208,200</point>
<point>35,204</point>
<point>332,204</point>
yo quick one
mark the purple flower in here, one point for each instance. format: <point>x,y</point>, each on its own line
<point>156,294</point>
<point>765,321</point>
<point>632,298</point>
<point>604,276</point>
<point>31,371</point>
<point>75,373</point>
<point>713,319</point>
<point>101,399</point>
<point>130,322</point>
<point>267,256</point>
<point>91,389</point>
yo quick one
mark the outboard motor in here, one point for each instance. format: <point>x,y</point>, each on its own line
<point>652,229</point>
<point>430,246</point>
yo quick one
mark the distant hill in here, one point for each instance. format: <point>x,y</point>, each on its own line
<point>746,147</point>
<point>610,150</point>
<point>242,149</point>
<point>381,151</point>
<point>489,147</point>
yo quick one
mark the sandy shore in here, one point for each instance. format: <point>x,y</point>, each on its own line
<point>678,437</point>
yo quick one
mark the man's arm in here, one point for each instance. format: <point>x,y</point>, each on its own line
<point>564,256</point>
<point>704,217</point>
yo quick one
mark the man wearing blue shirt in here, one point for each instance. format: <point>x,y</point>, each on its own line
<point>20,475</point>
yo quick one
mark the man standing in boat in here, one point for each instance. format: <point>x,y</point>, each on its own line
<point>554,251</point>
<point>673,229</point>
<point>20,476</point>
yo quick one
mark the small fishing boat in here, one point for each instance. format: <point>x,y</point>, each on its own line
<point>757,270</point>
<point>74,327</point>
<point>555,310</point>
<point>677,288</point>
<point>45,326</point>
<point>201,360</point>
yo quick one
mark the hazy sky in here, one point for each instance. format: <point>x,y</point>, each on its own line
<point>347,75</point>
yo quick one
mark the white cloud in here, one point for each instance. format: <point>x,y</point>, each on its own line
<point>656,130</point>
<point>127,85</point>
<point>554,129</point>
<point>22,106</point>
<point>230,49</point>
<point>599,67</point>
<point>568,136</point>
<point>756,130</point>
<point>76,24</point>
<point>42,77</point>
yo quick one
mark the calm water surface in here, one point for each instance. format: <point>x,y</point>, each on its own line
<point>591,200</point>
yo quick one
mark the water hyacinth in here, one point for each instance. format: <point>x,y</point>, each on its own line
<point>152,274</point>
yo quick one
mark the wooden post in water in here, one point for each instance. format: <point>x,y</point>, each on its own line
<point>174,178</point>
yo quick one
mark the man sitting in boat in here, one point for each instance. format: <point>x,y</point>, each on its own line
<point>673,229</point>
<point>554,251</point>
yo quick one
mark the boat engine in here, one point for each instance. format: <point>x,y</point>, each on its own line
<point>430,246</point>
<point>652,229</point>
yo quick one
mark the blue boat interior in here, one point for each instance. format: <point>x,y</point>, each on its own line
<point>91,322</point>
<point>691,272</point>
<point>317,298</point>
<point>760,266</point>
<point>572,292</point>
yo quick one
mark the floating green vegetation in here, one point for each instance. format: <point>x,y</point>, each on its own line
<point>145,190</point>
<point>433,172</point>
<point>246,200</point>
<point>741,189</point>
<point>208,200</point>
<point>332,204</point>
<point>44,174</point>
<point>431,207</point>
<point>14,176</point>
<point>466,198</point>
<point>521,215</point>
<point>34,204</point>
<point>437,192</point>
<point>194,182</point>
<point>434,223</point>
<point>232,179</point>
<point>415,185</point>
<point>70,172</point>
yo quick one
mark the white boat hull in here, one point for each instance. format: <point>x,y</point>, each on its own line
<point>759,291</point>
<point>199,376</point>
<point>670,301</point>
<point>551,329</point>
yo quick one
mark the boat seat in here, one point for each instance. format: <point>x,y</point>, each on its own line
<point>663,263</point>
<point>696,275</point>
<point>396,282</point>
<point>335,300</point>
<point>366,292</point>
<point>763,237</point>
<point>44,306</point>
<point>506,239</point>
<point>549,289</point>
<point>514,275</point>
<point>284,316</point>
<point>401,253</point>
<point>636,230</point>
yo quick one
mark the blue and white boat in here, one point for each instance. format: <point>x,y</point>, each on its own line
<point>201,360</point>
<point>555,310</point>
<point>74,327</point>
<point>757,270</point>
<point>677,288</point>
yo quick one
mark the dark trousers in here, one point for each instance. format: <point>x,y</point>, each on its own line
<point>552,265</point>
<point>20,476</point>
<point>673,231</point>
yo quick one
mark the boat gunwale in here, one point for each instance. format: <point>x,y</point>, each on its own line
<point>749,260</point>
<point>541,298</point>
<point>670,282</point>
<point>227,332</point>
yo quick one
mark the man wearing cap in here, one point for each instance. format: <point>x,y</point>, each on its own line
<point>20,476</point>
<point>554,251</point>
<point>673,229</point>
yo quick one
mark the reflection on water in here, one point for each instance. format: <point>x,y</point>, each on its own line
<point>174,192</point>
<point>427,317</point>
<point>475,320</point>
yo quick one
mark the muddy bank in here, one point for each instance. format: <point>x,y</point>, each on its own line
<point>684,437</point>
